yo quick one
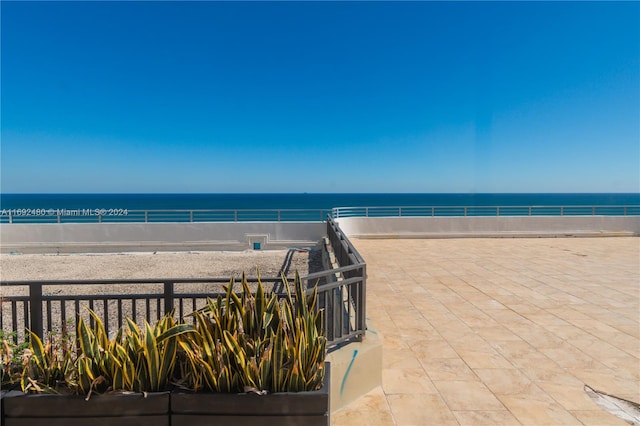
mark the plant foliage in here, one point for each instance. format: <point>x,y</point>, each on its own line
<point>257,342</point>
<point>11,359</point>
<point>240,342</point>
<point>135,360</point>
<point>48,367</point>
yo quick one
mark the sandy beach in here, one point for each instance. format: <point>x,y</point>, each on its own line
<point>160,265</point>
<point>198,264</point>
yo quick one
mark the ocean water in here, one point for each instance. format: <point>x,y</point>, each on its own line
<point>302,200</point>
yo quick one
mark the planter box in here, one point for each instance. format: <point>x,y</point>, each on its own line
<point>19,409</point>
<point>169,408</point>
<point>287,408</point>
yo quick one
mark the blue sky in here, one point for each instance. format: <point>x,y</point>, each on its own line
<point>320,97</point>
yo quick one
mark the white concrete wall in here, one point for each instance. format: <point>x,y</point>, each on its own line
<point>521,226</point>
<point>113,237</point>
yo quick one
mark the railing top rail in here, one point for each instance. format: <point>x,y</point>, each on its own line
<point>217,280</point>
<point>137,281</point>
<point>495,210</point>
<point>224,210</point>
<point>186,210</point>
<point>440,206</point>
<point>359,260</point>
<point>332,271</point>
<point>81,215</point>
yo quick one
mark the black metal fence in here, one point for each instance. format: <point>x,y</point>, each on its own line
<point>46,306</point>
<point>350,284</point>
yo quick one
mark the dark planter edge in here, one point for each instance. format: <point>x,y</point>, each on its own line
<point>306,403</point>
<point>16,404</point>
<point>296,408</point>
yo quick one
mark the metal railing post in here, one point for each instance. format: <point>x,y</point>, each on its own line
<point>278,215</point>
<point>146,216</point>
<point>191,216</point>
<point>58,216</point>
<point>99,217</point>
<point>168,297</point>
<point>10,217</point>
<point>363,303</point>
<point>35,308</point>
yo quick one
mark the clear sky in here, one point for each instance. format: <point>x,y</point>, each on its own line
<point>320,97</point>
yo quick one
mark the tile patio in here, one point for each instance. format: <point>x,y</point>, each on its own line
<point>500,331</point>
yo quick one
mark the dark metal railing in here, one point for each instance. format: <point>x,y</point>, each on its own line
<point>354,269</point>
<point>46,306</point>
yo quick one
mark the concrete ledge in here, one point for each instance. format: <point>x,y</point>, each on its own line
<point>115,237</point>
<point>576,234</point>
<point>356,369</point>
<point>490,227</point>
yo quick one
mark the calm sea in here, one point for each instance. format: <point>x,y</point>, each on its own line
<point>301,201</point>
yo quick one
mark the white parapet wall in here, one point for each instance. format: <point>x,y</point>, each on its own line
<point>115,237</point>
<point>503,226</point>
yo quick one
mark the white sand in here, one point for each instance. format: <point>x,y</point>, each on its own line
<point>218,264</point>
<point>150,265</point>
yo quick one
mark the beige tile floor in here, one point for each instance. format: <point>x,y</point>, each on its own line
<point>500,331</point>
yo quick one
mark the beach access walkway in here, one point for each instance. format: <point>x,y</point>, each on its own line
<point>500,331</point>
